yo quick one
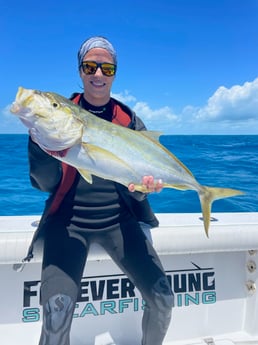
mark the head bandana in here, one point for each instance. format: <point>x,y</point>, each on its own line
<point>96,42</point>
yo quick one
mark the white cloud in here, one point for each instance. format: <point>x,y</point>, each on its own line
<point>235,104</point>
<point>231,110</point>
<point>144,110</point>
<point>10,123</point>
<point>155,119</point>
<point>124,97</point>
<point>6,111</point>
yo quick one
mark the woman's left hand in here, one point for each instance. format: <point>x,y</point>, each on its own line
<point>148,185</point>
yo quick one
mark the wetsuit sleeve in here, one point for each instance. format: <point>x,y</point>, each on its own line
<point>45,171</point>
<point>139,125</point>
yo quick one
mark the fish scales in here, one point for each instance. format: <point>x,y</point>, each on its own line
<point>98,147</point>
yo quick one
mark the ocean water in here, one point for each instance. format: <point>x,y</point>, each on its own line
<point>222,161</point>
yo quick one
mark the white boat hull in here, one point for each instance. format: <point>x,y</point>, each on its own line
<point>214,281</point>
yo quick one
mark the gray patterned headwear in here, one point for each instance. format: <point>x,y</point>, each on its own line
<point>96,42</point>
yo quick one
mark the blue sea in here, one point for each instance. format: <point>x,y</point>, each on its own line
<point>215,160</point>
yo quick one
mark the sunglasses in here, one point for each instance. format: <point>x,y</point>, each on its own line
<point>90,67</point>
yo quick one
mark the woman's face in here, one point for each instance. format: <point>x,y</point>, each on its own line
<point>97,87</point>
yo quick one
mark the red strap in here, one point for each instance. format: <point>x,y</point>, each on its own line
<point>76,98</point>
<point>68,178</point>
<point>119,116</point>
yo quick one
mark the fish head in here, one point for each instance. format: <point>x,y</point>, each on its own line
<point>48,113</point>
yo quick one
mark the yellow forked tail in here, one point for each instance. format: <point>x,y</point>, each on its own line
<point>207,195</point>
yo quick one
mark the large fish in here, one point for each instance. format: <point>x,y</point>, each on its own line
<point>98,147</point>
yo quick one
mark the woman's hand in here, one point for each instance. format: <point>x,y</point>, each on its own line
<point>148,185</point>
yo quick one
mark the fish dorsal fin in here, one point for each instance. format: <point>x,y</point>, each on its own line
<point>154,135</point>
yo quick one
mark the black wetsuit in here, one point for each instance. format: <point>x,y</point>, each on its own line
<point>98,213</point>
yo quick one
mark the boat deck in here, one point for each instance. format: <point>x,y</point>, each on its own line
<point>214,281</point>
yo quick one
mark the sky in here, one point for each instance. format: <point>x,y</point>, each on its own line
<point>184,66</point>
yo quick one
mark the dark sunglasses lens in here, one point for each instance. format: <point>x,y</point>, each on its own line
<point>108,69</point>
<point>89,67</point>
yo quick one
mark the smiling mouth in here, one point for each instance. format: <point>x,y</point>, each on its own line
<point>96,84</point>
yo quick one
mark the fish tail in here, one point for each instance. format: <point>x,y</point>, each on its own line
<point>207,195</point>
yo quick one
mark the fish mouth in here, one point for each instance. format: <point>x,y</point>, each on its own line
<point>21,105</point>
<point>15,108</point>
<point>23,98</point>
<point>18,109</point>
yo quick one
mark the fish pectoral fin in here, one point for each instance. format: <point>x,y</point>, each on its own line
<point>94,152</point>
<point>104,158</point>
<point>86,175</point>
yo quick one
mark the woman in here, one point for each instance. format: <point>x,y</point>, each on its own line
<point>78,214</point>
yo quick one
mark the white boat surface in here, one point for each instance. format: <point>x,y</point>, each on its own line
<point>214,282</point>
